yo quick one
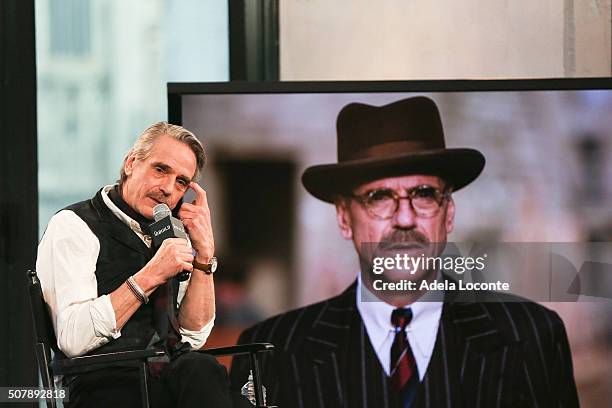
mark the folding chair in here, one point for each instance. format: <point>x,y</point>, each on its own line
<point>45,341</point>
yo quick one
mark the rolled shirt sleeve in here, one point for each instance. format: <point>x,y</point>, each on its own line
<point>66,264</point>
<point>198,338</point>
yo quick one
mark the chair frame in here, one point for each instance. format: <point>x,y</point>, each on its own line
<point>45,341</point>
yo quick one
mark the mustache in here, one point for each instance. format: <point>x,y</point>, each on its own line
<point>398,239</point>
<point>158,196</point>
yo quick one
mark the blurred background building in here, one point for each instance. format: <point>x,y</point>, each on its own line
<point>102,69</point>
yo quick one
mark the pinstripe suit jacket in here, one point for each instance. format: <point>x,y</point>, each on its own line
<point>486,355</point>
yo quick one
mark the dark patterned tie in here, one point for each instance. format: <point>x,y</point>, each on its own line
<point>404,371</point>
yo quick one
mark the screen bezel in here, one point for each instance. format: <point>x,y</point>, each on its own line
<point>176,90</point>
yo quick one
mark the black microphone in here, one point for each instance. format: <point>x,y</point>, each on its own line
<point>166,226</point>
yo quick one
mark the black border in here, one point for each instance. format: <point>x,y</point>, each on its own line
<point>18,190</point>
<point>253,39</point>
<point>177,89</point>
<point>237,43</point>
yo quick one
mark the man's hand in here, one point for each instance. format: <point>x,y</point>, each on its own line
<point>196,218</point>
<point>173,256</point>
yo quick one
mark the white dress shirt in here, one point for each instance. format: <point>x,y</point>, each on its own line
<point>66,265</point>
<point>421,332</point>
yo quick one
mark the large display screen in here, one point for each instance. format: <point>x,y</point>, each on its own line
<point>541,208</point>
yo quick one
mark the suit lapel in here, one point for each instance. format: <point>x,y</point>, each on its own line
<point>324,350</point>
<point>457,369</point>
<point>347,371</point>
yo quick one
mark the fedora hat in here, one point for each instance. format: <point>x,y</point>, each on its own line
<point>401,138</point>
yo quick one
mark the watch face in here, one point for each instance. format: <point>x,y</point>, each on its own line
<point>213,264</point>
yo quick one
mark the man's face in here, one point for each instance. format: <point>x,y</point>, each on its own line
<point>404,232</point>
<point>163,177</point>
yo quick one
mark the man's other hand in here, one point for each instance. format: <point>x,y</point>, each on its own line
<point>196,218</point>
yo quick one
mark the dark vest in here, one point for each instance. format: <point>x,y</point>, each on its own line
<point>122,254</point>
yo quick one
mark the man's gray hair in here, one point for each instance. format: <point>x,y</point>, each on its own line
<point>145,142</point>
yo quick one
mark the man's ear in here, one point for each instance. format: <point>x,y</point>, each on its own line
<point>450,215</point>
<point>129,164</point>
<point>343,217</point>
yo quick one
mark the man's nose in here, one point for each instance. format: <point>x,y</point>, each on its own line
<point>167,185</point>
<point>404,217</point>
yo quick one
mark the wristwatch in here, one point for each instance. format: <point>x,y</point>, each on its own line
<point>208,268</point>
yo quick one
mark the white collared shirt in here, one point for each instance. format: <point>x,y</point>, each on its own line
<point>66,265</point>
<point>421,332</point>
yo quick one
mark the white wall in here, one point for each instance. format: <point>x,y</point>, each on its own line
<point>423,39</point>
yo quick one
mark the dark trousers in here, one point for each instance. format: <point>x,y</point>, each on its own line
<point>191,380</point>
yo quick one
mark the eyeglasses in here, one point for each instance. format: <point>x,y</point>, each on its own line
<point>425,200</point>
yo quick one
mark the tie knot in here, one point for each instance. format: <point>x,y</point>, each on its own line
<point>400,318</point>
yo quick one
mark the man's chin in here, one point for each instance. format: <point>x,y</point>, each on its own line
<point>150,204</point>
<point>146,211</point>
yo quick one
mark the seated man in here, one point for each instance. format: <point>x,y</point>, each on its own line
<point>382,348</point>
<point>98,271</point>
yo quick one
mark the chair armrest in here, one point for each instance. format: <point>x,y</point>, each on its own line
<point>252,350</point>
<point>239,349</point>
<point>84,363</point>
